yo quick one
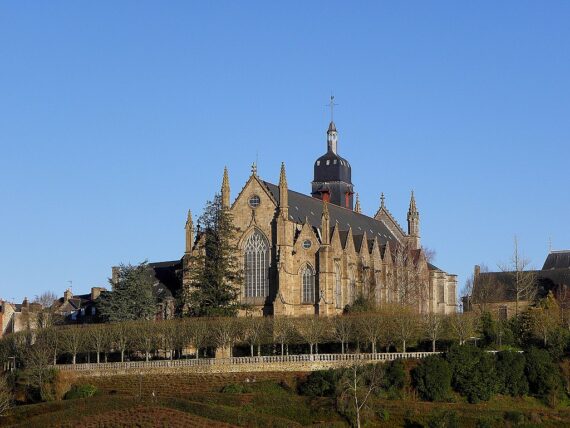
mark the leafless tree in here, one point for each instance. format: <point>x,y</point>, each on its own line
<point>462,325</point>
<point>524,285</point>
<point>73,340</point>
<point>226,333</point>
<point>545,317</point>
<point>146,337</point>
<point>47,316</point>
<point>121,337</point>
<point>255,330</point>
<point>283,332</point>
<point>372,326</point>
<point>411,278</point>
<point>313,329</point>
<point>343,330</point>
<point>482,289</point>
<point>429,254</point>
<point>197,333</point>
<point>404,324</point>
<point>6,397</point>
<point>358,384</point>
<point>37,361</point>
<point>433,325</point>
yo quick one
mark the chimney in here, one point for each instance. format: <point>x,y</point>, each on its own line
<point>67,295</point>
<point>96,292</point>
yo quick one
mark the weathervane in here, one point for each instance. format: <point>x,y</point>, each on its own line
<point>331,105</point>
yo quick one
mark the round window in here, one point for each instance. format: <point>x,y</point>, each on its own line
<point>254,201</point>
<point>307,244</point>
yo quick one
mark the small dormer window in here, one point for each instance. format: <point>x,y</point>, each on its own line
<point>328,162</point>
<point>254,201</point>
<point>334,162</point>
<point>318,163</point>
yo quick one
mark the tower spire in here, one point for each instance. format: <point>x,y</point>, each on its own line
<point>283,192</point>
<point>357,205</point>
<point>226,189</point>
<point>414,223</point>
<point>189,233</point>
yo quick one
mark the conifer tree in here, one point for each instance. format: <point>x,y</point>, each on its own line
<point>132,297</point>
<point>214,269</point>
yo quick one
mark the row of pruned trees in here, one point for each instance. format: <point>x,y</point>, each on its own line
<point>394,326</point>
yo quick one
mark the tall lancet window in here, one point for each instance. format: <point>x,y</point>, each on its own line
<point>308,285</point>
<point>257,266</point>
<point>351,287</point>
<point>337,286</point>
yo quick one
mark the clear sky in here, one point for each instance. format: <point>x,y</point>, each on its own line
<point>116,117</point>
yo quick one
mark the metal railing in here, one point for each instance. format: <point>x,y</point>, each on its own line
<point>278,359</point>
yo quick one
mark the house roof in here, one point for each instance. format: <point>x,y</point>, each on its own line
<point>557,260</point>
<point>168,280</point>
<point>303,207</point>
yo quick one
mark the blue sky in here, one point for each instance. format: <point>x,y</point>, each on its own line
<point>116,117</point>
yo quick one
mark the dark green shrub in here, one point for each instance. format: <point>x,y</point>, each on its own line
<point>394,375</point>
<point>236,388</point>
<point>514,417</point>
<point>558,341</point>
<point>321,383</point>
<point>443,419</point>
<point>383,415</point>
<point>432,378</point>
<point>473,372</point>
<point>542,374</point>
<point>484,423</point>
<point>511,378</point>
<point>81,391</point>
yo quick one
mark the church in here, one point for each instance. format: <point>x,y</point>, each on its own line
<point>316,254</point>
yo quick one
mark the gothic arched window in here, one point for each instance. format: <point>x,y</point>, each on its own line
<point>337,286</point>
<point>256,265</point>
<point>351,287</point>
<point>308,285</point>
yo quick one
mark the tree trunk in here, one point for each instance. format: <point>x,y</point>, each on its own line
<point>259,350</point>
<point>98,357</point>
<point>373,347</point>
<point>404,346</point>
<point>74,358</point>
<point>342,346</point>
<point>433,345</point>
<point>146,356</point>
<point>122,355</point>
<point>282,348</point>
<point>251,350</point>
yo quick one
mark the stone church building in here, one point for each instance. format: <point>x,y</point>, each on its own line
<point>315,254</point>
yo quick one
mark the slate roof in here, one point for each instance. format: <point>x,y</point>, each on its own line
<point>557,260</point>
<point>168,280</point>
<point>303,207</point>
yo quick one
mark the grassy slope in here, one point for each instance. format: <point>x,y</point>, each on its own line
<point>195,400</point>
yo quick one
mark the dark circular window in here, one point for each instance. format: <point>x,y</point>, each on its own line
<point>254,201</point>
<point>307,244</point>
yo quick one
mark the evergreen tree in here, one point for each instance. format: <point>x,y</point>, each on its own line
<point>214,268</point>
<point>132,297</point>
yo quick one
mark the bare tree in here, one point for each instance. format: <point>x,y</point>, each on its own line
<point>197,333</point>
<point>121,337</point>
<point>343,330</point>
<point>73,340</point>
<point>6,397</point>
<point>462,325</point>
<point>411,278</point>
<point>313,330</point>
<point>47,316</point>
<point>371,326</point>
<point>545,317</point>
<point>429,254</point>
<point>37,361</point>
<point>146,337</point>
<point>523,280</point>
<point>358,384</point>
<point>255,330</point>
<point>404,324</point>
<point>482,288</point>
<point>283,332</point>
<point>226,334</point>
<point>433,325</point>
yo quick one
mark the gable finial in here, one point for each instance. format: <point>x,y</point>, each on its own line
<point>382,200</point>
<point>331,106</point>
<point>254,168</point>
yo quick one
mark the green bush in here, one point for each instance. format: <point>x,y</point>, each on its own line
<point>473,372</point>
<point>81,391</point>
<point>511,378</point>
<point>432,378</point>
<point>394,375</point>
<point>443,419</point>
<point>542,374</point>
<point>236,388</point>
<point>484,423</point>
<point>321,383</point>
<point>514,417</point>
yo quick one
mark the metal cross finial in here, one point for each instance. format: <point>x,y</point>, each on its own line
<point>331,105</point>
<point>382,199</point>
<point>254,168</point>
